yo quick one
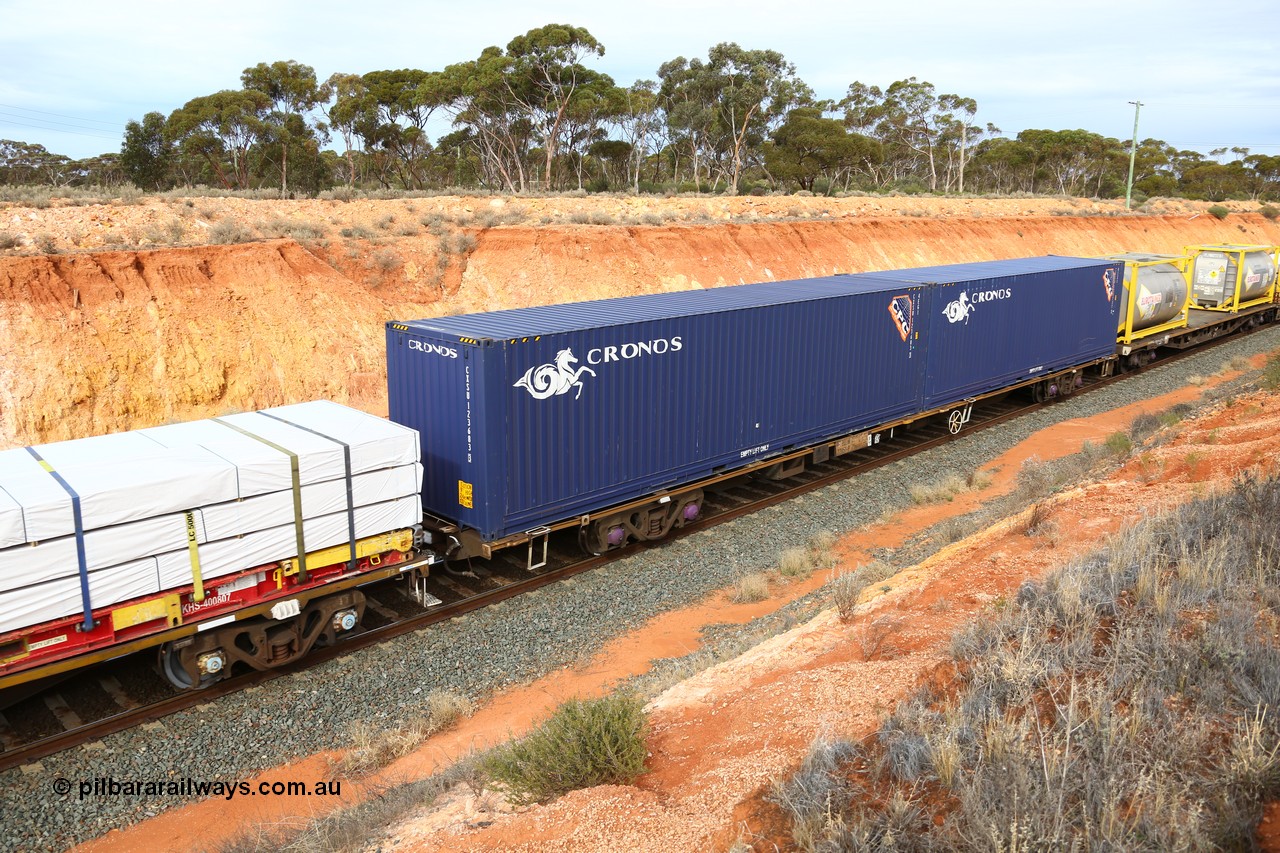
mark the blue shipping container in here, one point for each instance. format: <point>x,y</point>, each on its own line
<point>998,323</point>
<point>536,415</point>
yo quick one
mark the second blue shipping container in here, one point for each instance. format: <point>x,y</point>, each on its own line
<point>998,323</point>
<point>533,416</point>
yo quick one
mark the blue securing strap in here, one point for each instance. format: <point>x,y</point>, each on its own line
<point>89,624</point>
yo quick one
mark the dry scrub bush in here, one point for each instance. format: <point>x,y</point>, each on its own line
<point>751,588</point>
<point>948,487</point>
<point>877,639</point>
<point>1271,373</point>
<point>1235,363</point>
<point>169,233</point>
<point>386,260</point>
<point>1125,703</point>
<point>847,588</point>
<point>795,563</point>
<point>819,789</point>
<point>351,829</point>
<point>8,240</point>
<point>373,747</point>
<point>292,228</point>
<point>583,744</point>
<point>228,231</point>
<point>822,548</point>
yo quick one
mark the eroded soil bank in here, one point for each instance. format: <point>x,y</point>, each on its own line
<point>101,341</point>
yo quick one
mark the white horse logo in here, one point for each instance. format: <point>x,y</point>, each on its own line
<point>548,380</point>
<point>958,309</point>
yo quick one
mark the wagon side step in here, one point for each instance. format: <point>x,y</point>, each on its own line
<point>538,532</point>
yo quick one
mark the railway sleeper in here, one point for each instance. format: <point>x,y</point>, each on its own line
<point>260,643</point>
<point>642,524</point>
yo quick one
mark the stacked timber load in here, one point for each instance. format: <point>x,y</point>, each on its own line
<point>93,522</point>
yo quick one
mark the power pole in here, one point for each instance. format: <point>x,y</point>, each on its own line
<point>1133,152</point>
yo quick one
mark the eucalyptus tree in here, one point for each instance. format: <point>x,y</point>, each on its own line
<point>688,100</point>
<point>808,146</point>
<point>546,78</point>
<point>104,170</point>
<point>1002,165</point>
<point>919,129</point>
<point>393,122</point>
<point>477,96</point>
<point>726,107</point>
<point>146,155</point>
<point>536,91</point>
<point>1262,176</point>
<point>221,129</point>
<point>31,163</point>
<point>757,88</point>
<point>640,122</point>
<point>1076,162</point>
<point>293,92</point>
<point>596,104</point>
<point>348,107</point>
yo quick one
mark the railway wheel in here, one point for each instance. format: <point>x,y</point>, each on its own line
<point>186,670</point>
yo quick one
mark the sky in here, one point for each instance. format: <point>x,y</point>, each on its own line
<point>73,72</point>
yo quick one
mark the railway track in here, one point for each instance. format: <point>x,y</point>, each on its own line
<point>127,692</point>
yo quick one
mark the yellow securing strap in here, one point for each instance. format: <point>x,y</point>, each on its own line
<point>297,492</point>
<point>193,549</point>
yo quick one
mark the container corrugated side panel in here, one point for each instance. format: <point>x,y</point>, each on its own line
<point>433,385</point>
<point>742,384</point>
<point>986,334</point>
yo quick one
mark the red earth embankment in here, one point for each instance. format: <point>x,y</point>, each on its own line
<point>106,341</point>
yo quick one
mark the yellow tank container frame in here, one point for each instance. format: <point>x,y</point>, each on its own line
<point>1137,298</point>
<point>1223,268</point>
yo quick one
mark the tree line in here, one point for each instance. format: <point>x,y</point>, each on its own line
<point>536,116</point>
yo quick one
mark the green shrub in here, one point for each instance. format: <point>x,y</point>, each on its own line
<point>584,743</point>
<point>1270,211</point>
<point>1118,444</point>
<point>1219,211</point>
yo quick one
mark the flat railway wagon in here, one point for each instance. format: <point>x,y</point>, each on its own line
<point>237,541</point>
<point>1181,301</point>
<point>612,416</point>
